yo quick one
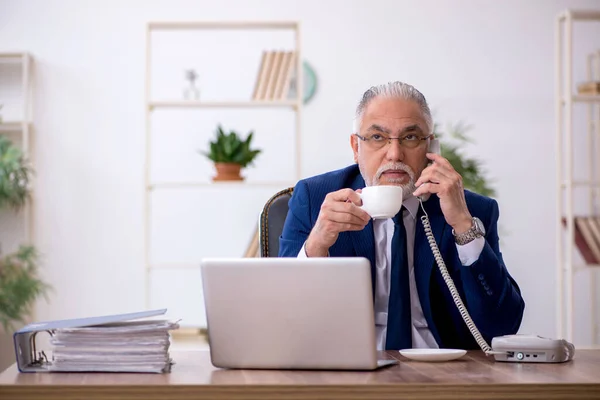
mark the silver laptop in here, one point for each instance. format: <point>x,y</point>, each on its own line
<point>290,313</point>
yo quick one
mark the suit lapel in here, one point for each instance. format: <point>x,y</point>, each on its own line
<point>364,241</point>
<point>424,260</point>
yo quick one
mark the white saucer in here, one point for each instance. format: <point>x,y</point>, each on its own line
<point>433,354</point>
<point>381,216</point>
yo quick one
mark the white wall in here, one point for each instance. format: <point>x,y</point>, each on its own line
<point>487,63</point>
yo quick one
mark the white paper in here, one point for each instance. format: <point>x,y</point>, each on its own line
<point>130,346</point>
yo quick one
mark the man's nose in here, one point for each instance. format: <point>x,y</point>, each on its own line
<point>395,152</point>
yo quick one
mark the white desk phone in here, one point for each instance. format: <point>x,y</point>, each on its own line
<point>511,348</point>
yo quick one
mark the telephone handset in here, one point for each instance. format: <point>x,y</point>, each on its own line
<point>512,348</point>
<point>434,147</point>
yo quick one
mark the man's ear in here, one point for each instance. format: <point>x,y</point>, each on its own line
<point>354,145</point>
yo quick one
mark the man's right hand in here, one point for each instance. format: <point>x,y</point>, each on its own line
<point>339,212</point>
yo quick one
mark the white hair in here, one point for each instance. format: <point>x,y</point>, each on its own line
<point>396,89</point>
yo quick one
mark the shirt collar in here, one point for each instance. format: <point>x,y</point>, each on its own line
<point>412,205</point>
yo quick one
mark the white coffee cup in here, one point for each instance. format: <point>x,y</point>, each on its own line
<point>381,202</point>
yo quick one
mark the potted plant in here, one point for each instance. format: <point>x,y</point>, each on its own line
<point>20,284</point>
<point>230,153</point>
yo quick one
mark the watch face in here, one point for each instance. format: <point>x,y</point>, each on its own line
<point>479,225</point>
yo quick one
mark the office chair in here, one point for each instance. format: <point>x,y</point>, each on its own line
<point>271,222</point>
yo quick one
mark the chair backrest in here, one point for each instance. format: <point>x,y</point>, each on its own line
<point>271,223</point>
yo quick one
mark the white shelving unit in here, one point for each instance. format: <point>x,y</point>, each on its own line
<point>221,104</point>
<point>17,114</point>
<point>153,105</point>
<point>570,188</point>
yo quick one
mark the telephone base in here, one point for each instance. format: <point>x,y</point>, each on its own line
<point>532,349</point>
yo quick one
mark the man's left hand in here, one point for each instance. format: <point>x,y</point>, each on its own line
<point>442,179</point>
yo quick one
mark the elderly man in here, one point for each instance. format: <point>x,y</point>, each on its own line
<point>413,306</point>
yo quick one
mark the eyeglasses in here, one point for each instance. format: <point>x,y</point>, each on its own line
<point>377,141</point>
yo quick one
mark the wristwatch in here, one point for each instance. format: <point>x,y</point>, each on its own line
<point>477,230</point>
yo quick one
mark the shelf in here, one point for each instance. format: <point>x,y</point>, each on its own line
<point>11,127</point>
<point>580,15</point>
<point>222,104</point>
<point>578,247</point>
<point>581,184</point>
<point>13,57</point>
<point>219,185</point>
<point>584,98</point>
<point>223,25</point>
<point>581,267</point>
<point>157,104</point>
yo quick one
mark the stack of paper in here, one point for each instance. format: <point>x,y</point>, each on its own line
<point>130,346</point>
<point>109,343</point>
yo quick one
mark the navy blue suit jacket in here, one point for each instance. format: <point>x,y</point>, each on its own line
<point>492,297</point>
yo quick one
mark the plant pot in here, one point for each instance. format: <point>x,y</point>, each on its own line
<point>228,172</point>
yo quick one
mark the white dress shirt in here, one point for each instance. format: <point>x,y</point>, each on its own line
<point>383,230</point>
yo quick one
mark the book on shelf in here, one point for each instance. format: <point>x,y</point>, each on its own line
<point>112,343</point>
<point>260,86</point>
<point>594,233</point>
<point>587,238</point>
<point>274,75</point>
<point>583,225</point>
<point>285,77</point>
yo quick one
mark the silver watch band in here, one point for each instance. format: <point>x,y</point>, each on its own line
<point>466,237</point>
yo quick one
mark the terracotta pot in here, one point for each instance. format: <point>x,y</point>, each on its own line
<point>228,172</point>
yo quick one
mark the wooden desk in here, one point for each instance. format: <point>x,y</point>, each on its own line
<point>472,377</point>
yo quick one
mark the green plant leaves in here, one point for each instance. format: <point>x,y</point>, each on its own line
<point>19,285</point>
<point>229,148</point>
<point>14,175</point>
<point>470,169</point>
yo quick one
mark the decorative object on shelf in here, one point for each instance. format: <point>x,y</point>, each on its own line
<point>20,284</point>
<point>469,168</point>
<point>191,92</point>
<point>589,88</point>
<point>230,154</point>
<point>310,83</point>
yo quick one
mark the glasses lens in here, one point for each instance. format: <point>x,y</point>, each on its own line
<point>377,144</point>
<point>411,142</point>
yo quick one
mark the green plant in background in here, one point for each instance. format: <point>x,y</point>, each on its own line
<point>470,169</point>
<point>14,176</point>
<point>20,284</point>
<point>230,148</point>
